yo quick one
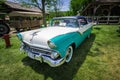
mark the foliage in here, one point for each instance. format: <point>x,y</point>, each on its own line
<point>36,3</point>
<point>55,6</point>
<point>97,58</point>
<point>2,9</point>
<point>79,5</point>
<point>1,2</point>
<point>61,13</point>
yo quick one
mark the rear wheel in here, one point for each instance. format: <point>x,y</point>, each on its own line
<point>4,29</point>
<point>69,53</point>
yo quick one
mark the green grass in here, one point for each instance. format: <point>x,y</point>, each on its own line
<point>97,58</point>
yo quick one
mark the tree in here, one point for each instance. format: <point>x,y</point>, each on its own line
<point>1,2</point>
<point>2,8</point>
<point>55,6</point>
<point>36,3</point>
<point>42,4</point>
<point>79,5</point>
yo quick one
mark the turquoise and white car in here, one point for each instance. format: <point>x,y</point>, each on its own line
<point>55,44</point>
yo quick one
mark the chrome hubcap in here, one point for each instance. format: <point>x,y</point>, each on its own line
<point>69,53</point>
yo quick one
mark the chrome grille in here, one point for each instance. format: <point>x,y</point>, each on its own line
<point>37,49</point>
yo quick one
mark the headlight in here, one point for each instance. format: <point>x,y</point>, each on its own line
<point>51,44</point>
<point>54,55</point>
<point>19,36</point>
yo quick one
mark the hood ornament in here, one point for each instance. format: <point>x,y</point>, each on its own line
<point>34,34</point>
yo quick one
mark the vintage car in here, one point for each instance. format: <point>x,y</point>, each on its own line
<point>55,44</point>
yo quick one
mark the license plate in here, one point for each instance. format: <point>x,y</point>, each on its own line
<point>39,58</point>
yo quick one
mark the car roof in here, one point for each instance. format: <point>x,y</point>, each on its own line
<point>76,17</point>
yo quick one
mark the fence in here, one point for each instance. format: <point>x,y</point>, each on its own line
<point>104,19</point>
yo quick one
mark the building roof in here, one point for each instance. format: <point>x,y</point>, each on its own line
<point>21,7</point>
<point>23,13</point>
<point>92,7</point>
<point>108,0</point>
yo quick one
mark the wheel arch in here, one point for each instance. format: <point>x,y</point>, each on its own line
<point>73,45</point>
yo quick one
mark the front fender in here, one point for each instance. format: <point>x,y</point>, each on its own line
<point>64,41</point>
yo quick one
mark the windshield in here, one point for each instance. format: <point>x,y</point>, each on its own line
<point>65,22</point>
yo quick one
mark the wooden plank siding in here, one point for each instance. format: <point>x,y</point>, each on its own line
<point>108,0</point>
<point>26,24</point>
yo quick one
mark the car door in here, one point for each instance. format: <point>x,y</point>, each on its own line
<point>84,27</point>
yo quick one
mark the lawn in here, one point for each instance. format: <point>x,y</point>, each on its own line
<point>97,58</point>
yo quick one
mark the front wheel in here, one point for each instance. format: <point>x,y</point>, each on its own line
<point>69,53</point>
<point>4,29</point>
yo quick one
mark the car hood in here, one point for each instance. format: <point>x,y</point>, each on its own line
<point>40,37</point>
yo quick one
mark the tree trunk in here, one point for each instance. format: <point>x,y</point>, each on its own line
<point>43,12</point>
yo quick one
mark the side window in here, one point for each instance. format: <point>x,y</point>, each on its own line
<point>82,21</point>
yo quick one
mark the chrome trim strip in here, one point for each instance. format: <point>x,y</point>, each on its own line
<point>43,57</point>
<point>38,48</point>
<point>53,63</point>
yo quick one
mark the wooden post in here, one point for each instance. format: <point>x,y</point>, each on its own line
<point>119,20</point>
<point>108,19</point>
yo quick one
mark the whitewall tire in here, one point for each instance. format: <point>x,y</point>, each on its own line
<point>69,53</point>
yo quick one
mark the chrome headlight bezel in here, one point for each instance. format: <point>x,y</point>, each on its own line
<point>51,44</point>
<point>55,55</point>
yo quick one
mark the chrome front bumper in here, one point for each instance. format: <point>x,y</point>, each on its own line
<point>43,57</point>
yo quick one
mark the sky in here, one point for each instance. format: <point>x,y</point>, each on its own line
<point>65,6</point>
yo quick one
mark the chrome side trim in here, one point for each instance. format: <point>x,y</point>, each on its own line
<point>44,58</point>
<point>53,63</point>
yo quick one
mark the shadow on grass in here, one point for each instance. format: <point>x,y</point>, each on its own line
<point>97,28</point>
<point>66,71</point>
<point>118,31</point>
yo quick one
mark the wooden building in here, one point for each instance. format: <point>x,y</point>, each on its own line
<point>104,11</point>
<point>20,16</point>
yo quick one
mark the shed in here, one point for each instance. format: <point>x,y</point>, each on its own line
<point>21,16</point>
<point>104,11</point>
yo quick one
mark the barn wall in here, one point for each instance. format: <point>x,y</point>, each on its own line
<point>108,0</point>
